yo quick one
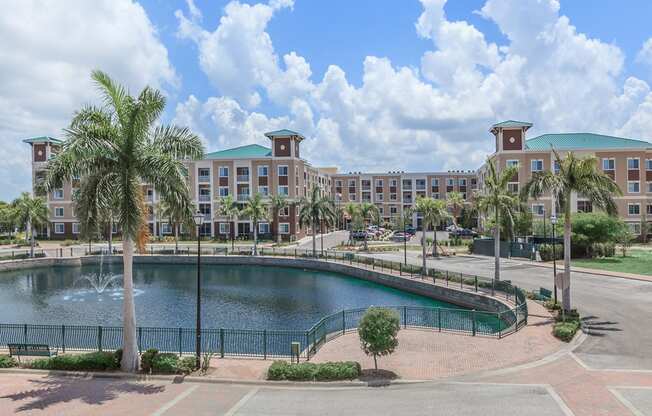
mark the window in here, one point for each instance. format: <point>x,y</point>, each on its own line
<point>379,183</point>
<point>420,184</point>
<point>58,212</point>
<point>584,206</point>
<point>262,170</point>
<point>536,165</point>
<point>635,228</point>
<point>649,187</point>
<point>352,197</point>
<point>204,174</point>
<point>58,194</point>
<point>392,197</point>
<point>434,182</point>
<point>648,164</point>
<point>632,163</point>
<point>634,209</point>
<point>380,197</point>
<point>538,209</point>
<point>338,183</point>
<point>224,172</point>
<point>225,228</point>
<point>284,212</point>
<point>263,228</point>
<point>608,164</point>
<point>224,191</point>
<point>59,228</point>
<point>393,210</point>
<point>114,228</point>
<point>284,228</point>
<point>283,190</point>
<point>263,190</point>
<point>512,163</point>
<point>633,187</point>
<point>407,183</point>
<point>283,170</point>
<point>435,195</point>
<point>450,182</point>
<point>512,187</point>
<point>351,183</point>
<point>166,228</point>
<point>381,210</point>
<point>462,182</point>
<point>75,228</point>
<point>555,166</point>
<point>649,209</point>
<point>393,182</point>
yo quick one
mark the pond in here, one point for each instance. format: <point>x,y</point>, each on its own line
<point>240,297</point>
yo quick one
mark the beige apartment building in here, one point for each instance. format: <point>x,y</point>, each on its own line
<point>627,161</point>
<point>280,170</point>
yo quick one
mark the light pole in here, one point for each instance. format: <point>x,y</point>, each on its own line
<point>199,220</point>
<point>545,233</point>
<point>553,221</point>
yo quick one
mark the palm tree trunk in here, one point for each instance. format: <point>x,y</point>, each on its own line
<point>565,294</point>
<point>31,237</point>
<point>110,236</point>
<point>434,242</point>
<point>255,238</point>
<point>278,234</point>
<point>130,357</point>
<point>497,248</point>
<point>314,240</point>
<point>423,250</point>
<point>176,238</point>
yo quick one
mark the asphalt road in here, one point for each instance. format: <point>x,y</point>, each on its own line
<point>616,310</point>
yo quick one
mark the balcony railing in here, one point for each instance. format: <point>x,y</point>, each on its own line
<point>204,178</point>
<point>205,198</point>
<point>243,178</point>
<point>243,197</point>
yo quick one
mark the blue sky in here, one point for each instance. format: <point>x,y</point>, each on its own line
<point>424,78</point>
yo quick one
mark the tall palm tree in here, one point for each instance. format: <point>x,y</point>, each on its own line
<point>178,212</point>
<point>497,199</point>
<point>455,203</point>
<point>576,175</point>
<point>256,210</point>
<point>313,209</point>
<point>120,144</point>
<point>369,213</point>
<point>277,203</point>
<point>229,208</point>
<point>31,212</point>
<point>433,212</point>
<point>93,211</point>
<point>353,212</point>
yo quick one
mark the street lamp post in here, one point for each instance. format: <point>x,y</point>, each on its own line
<point>199,220</point>
<point>545,232</point>
<point>553,221</point>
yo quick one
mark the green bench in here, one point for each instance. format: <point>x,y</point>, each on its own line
<point>33,350</point>
<point>545,294</point>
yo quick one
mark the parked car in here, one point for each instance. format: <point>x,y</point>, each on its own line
<point>452,228</point>
<point>359,235</point>
<point>463,232</point>
<point>400,237</point>
<point>410,230</point>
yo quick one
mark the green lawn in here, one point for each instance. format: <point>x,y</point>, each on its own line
<point>637,261</point>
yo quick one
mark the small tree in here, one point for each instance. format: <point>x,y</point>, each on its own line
<point>378,330</point>
<point>625,238</point>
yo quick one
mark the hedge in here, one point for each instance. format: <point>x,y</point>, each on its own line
<point>7,362</point>
<point>340,370</point>
<point>94,361</point>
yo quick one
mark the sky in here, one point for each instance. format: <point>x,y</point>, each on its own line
<point>376,85</point>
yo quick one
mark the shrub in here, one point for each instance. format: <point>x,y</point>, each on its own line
<point>378,331</point>
<point>545,251</point>
<point>7,362</point>
<point>146,359</point>
<point>602,250</point>
<point>165,363</point>
<point>117,356</point>
<point>565,331</point>
<point>341,370</point>
<point>590,229</point>
<point>94,361</point>
<point>187,365</point>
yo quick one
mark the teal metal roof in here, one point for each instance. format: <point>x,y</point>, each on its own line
<point>242,152</point>
<point>512,123</point>
<point>283,133</point>
<point>583,141</point>
<point>43,139</point>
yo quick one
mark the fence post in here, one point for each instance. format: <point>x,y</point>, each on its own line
<point>343,322</point>
<point>307,346</point>
<point>493,286</point>
<point>461,280</point>
<point>264,344</point>
<point>99,338</point>
<point>400,269</point>
<point>295,253</point>
<point>140,339</point>
<point>222,342</point>
<point>439,318</point>
<point>180,342</point>
<point>25,334</point>
<point>476,283</point>
<point>473,314</point>
<point>63,338</point>
<point>515,295</point>
<point>404,317</point>
<point>71,252</point>
<point>447,278</point>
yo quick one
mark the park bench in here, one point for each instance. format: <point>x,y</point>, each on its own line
<point>34,350</point>
<point>544,293</point>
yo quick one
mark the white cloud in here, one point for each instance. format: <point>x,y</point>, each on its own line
<point>645,54</point>
<point>46,56</point>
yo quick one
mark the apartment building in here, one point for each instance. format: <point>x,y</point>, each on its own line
<point>280,170</point>
<point>627,161</point>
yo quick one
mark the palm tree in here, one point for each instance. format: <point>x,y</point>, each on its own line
<point>93,210</point>
<point>256,210</point>
<point>353,212</point>
<point>433,212</point>
<point>31,212</point>
<point>277,203</point>
<point>455,203</point>
<point>229,208</point>
<point>369,213</point>
<point>313,209</point>
<point>120,144</point>
<point>575,175</point>
<point>496,198</point>
<point>178,212</point>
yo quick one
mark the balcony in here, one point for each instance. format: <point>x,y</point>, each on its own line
<point>205,198</point>
<point>242,178</point>
<point>243,197</point>
<point>204,178</point>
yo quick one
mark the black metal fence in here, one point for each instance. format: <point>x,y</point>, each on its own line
<point>277,343</point>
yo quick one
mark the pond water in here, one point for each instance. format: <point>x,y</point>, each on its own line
<point>241,297</point>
